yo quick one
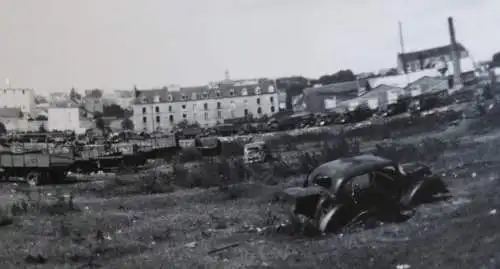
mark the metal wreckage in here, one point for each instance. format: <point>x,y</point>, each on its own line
<point>42,163</point>
<point>349,191</point>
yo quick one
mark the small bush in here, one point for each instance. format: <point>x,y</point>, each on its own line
<point>44,203</point>
<point>232,148</point>
<point>147,182</point>
<point>190,154</point>
<point>210,172</point>
<point>6,217</point>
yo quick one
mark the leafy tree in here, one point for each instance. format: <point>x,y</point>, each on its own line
<point>97,115</point>
<point>74,96</point>
<point>100,124</point>
<point>3,129</point>
<point>95,93</point>
<point>127,124</point>
<point>41,118</point>
<point>340,76</point>
<point>40,99</point>
<point>496,59</point>
<point>113,111</point>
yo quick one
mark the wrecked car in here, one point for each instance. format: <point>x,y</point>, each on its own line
<point>351,190</point>
<point>256,152</point>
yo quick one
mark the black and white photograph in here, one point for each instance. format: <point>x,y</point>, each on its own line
<point>249,134</point>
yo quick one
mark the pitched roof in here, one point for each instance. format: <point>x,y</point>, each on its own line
<point>428,83</point>
<point>222,90</point>
<point>385,88</point>
<point>336,88</point>
<point>427,53</point>
<point>63,104</point>
<point>124,94</point>
<point>10,112</point>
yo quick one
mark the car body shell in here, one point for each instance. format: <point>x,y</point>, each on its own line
<point>256,152</point>
<point>405,183</point>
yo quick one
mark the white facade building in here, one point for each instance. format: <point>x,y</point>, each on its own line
<point>65,118</point>
<point>162,109</point>
<point>13,120</point>
<point>23,99</point>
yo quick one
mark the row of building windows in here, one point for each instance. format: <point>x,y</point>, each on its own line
<point>218,94</point>
<point>5,91</point>
<point>205,106</point>
<point>205,115</point>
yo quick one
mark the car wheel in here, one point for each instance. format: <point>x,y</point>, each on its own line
<point>34,178</point>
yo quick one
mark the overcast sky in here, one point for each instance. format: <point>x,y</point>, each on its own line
<point>52,45</point>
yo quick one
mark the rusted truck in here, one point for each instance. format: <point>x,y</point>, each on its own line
<point>36,167</point>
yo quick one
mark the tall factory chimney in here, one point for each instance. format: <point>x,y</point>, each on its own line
<point>455,55</point>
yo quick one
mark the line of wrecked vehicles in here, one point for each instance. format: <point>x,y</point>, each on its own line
<point>50,163</point>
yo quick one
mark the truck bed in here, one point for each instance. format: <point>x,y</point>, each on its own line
<point>34,159</point>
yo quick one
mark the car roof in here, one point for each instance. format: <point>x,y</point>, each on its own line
<point>348,167</point>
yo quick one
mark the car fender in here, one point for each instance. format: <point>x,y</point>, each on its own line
<point>433,185</point>
<point>305,200</point>
<point>330,221</point>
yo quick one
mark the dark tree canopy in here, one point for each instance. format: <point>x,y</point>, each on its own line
<point>340,76</point>
<point>100,124</point>
<point>495,60</point>
<point>3,129</point>
<point>42,129</point>
<point>113,111</point>
<point>95,93</point>
<point>97,115</point>
<point>41,118</point>
<point>74,96</point>
<point>127,124</point>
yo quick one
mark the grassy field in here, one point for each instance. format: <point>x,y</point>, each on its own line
<point>158,220</point>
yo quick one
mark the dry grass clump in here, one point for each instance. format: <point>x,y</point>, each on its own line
<point>427,150</point>
<point>210,172</point>
<point>41,203</point>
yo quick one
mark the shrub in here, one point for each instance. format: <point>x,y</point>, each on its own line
<point>147,182</point>
<point>232,148</point>
<point>190,154</point>
<point>210,172</point>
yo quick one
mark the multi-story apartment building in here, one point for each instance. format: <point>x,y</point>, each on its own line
<point>162,109</point>
<point>24,99</point>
